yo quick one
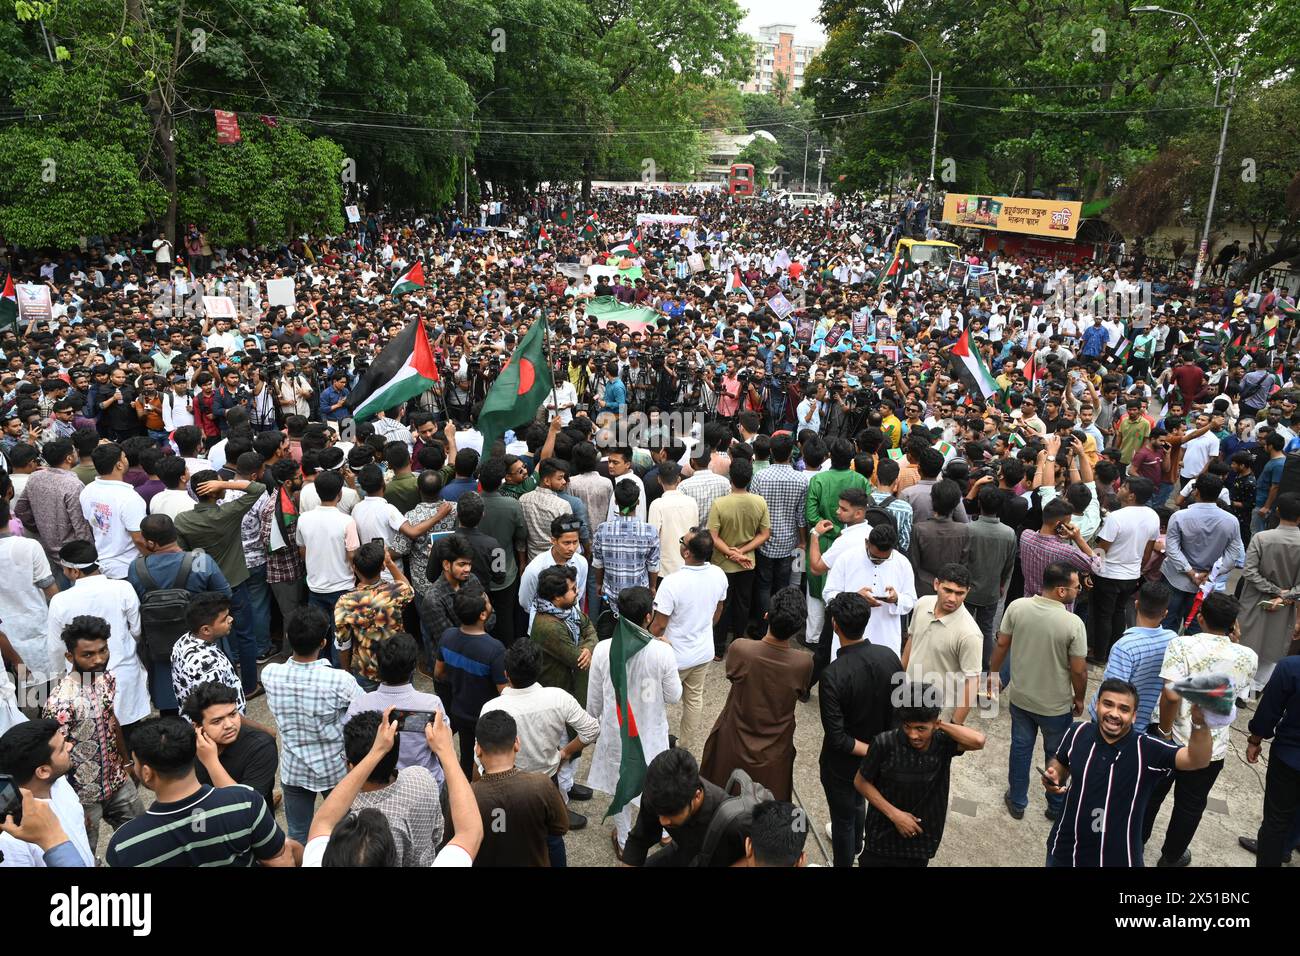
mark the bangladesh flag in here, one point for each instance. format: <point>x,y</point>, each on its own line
<point>628,641</point>
<point>970,368</point>
<point>519,390</point>
<point>412,279</point>
<point>403,370</point>
<point>9,304</point>
<point>588,230</point>
<point>565,216</point>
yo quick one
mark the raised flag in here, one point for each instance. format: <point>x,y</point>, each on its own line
<point>971,369</point>
<point>736,285</point>
<point>628,641</point>
<point>1029,370</point>
<point>519,390</point>
<point>9,304</point>
<point>403,370</point>
<point>1122,350</point>
<point>411,280</point>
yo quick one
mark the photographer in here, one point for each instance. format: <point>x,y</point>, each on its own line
<point>261,400</point>
<point>292,391</point>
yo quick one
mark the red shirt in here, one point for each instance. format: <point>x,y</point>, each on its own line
<point>1148,464</point>
<point>1190,381</point>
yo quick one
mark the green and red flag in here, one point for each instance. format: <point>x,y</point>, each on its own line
<point>564,216</point>
<point>628,641</point>
<point>401,371</point>
<point>589,230</point>
<point>411,280</point>
<point>519,390</point>
<point>899,264</point>
<point>9,304</point>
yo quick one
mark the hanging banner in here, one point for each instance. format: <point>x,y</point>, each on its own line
<point>1056,218</point>
<point>227,127</point>
<point>644,217</point>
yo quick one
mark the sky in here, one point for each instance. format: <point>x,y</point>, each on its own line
<point>798,12</point>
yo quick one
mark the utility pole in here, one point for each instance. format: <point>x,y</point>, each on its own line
<point>821,161</point>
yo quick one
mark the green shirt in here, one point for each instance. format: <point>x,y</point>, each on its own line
<point>503,519</point>
<point>1131,436</point>
<point>737,520</point>
<point>1044,637</point>
<point>403,492</point>
<point>215,529</point>
<point>822,502</point>
<point>85,471</point>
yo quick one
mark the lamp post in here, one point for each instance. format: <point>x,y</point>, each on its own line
<point>464,179</point>
<point>1203,253</point>
<point>936,88</point>
<point>807,134</point>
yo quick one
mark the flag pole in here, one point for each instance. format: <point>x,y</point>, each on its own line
<point>546,347</point>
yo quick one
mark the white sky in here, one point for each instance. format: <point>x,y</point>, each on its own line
<point>798,12</point>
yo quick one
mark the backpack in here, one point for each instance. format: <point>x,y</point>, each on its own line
<point>878,513</point>
<point>162,610</point>
<point>733,816</point>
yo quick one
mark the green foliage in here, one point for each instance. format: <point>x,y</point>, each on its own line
<point>762,154</point>
<point>53,190</point>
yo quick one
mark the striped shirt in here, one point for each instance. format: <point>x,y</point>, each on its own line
<point>628,551</point>
<point>1038,550</point>
<point>902,512</point>
<point>1136,658</point>
<point>705,487</point>
<point>215,826</point>
<point>785,491</point>
<point>1106,802</point>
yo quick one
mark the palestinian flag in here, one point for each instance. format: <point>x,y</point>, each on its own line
<point>627,246</point>
<point>411,280</point>
<point>403,370</point>
<point>737,285</point>
<point>1029,370</point>
<point>970,367</point>
<point>519,390</point>
<point>628,641</point>
<point>897,265</point>
<point>1122,350</point>
<point>286,519</point>
<point>542,235</point>
<point>9,304</point>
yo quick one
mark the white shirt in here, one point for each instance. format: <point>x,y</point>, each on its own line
<point>115,602</point>
<point>613,507</point>
<point>328,535</point>
<point>566,394</point>
<point>63,801</point>
<point>469,439</point>
<point>1128,530</point>
<point>853,537</point>
<point>854,570</point>
<point>689,598</point>
<point>528,580</point>
<point>815,423</point>
<point>113,510</point>
<point>24,570</point>
<point>309,499</point>
<point>313,854</point>
<point>1197,454</point>
<point>543,716</point>
<point>177,410</point>
<point>673,514</point>
<point>376,518</point>
<point>171,502</point>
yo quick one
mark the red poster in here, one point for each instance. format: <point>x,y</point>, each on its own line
<point>227,127</point>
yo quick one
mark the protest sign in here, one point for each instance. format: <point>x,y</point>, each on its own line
<point>280,292</point>
<point>354,214</point>
<point>34,303</point>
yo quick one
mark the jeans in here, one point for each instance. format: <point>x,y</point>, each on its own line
<point>259,606</point>
<point>1110,600</point>
<point>1025,727</point>
<point>1258,522</point>
<point>327,601</point>
<point>242,640</point>
<point>735,613</point>
<point>299,807</point>
<point>984,615</point>
<point>1191,792</point>
<point>1180,602</point>
<point>848,812</point>
<point>1281,813</point>
<point>770,575</point>
<point>1163,490</point>
<point>555,849</point>
<point>464,729</point>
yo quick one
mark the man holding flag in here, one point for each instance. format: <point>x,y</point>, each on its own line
<point>518,392</point>
<point>633,678</point>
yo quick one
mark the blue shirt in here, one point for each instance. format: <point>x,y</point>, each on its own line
<point>1095,338</point>
<point>1136,658</point>
<point>1197,537</point>
<point>328,398</point>
<point>1277,717</point>
<point>616,394</point>
<point>475,668</point>
<point>1269,477</point>
<point>205,574</point>
<point>457,487</point>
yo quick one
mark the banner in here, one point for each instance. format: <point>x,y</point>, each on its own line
<point>644,217</point>
<point>1056,218</point>
<point>227,127</point>
<point>33,303</point>
<point>280,292</point>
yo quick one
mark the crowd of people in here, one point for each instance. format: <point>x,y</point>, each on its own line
<point>876,488</point>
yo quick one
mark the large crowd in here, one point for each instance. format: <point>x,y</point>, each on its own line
<point>867,483</point>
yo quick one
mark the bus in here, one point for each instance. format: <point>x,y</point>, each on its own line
<point>740,180</point>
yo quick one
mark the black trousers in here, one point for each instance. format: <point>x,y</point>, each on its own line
<point>1191,792</point>
<point>984,614</point>
<point>848,811</point>
<point>873,859</point>
<point>770,575</point>
<point>821,651</point>
<point>1110,600</point>
<point>465,730</point>
<point>1281,822</point>
<point>735,613</point>
<point>506,603</point>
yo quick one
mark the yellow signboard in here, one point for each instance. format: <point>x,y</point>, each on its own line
<point>1055,218</point>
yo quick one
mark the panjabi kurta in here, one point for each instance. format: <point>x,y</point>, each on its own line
<point>1272,570</point>
<point>755,731</point>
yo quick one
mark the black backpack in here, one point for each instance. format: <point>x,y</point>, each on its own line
<point>163,610</point>
<point>731,820</point>
<point>880,514</point>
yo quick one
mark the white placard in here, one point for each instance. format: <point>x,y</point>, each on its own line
<point>219,307</point>
<point>280,292</point>
<point>354,214</point>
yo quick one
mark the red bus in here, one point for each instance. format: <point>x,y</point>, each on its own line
<point>740,180</point>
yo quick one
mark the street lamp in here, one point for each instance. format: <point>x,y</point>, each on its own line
<point>464,179</point>
<point>936,89</point>
<point>807,133</point>
<point>1203,253</point>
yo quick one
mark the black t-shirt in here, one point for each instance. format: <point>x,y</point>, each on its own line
<point>914,781</point>
<point>251,760</point>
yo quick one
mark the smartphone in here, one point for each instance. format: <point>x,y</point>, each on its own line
<point>412,721</point>
<point>11,800</point>
<point>1046,779</point>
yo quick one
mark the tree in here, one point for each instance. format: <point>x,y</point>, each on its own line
<point>761,153</point>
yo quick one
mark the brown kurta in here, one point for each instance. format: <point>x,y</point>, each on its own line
<point>755,731</point>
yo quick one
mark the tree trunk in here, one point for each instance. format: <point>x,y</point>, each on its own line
<point>1139,254</point>
<point>588,168</point>
<point>1283,253</point>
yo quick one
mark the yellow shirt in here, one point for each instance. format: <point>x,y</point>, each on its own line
<point>893,430</point>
